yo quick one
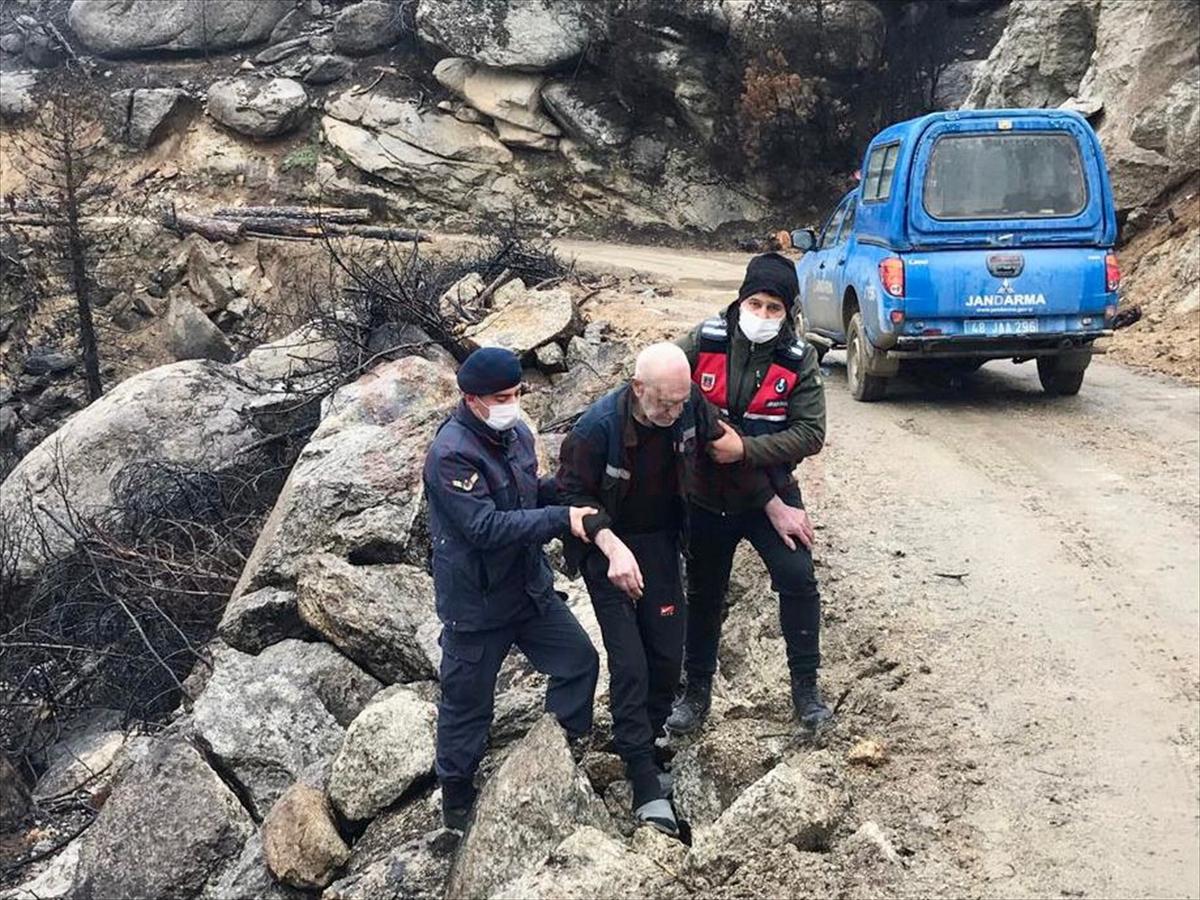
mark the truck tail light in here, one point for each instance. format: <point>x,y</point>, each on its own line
<point>891,275</point>
<point>1112,272</point>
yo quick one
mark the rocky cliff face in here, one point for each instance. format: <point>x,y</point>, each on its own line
<point>599,116</point>
<point>1132,68</point>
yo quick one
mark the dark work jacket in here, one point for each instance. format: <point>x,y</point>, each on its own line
<point>488,519</point>
<point>596,461</point>
<point>775,447</point>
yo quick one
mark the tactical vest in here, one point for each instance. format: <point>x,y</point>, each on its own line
<point>768,408</point>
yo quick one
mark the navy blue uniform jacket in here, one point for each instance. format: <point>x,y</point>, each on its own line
<point>489,517</point>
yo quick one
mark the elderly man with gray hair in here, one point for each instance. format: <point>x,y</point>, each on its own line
<point>633,457</point>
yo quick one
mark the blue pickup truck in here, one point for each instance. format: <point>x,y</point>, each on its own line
<point>972,235</point>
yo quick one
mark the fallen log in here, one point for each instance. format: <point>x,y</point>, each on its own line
<point>382,232</point>
<point>227,230</point>
<point>289,228</point>
<point>337,215</point>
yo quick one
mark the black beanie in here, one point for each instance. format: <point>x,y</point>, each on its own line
<point>489,370</point>
<point>774,274</point>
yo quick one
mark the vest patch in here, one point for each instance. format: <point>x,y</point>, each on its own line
<point>781,385</point>
<point>708,380</point>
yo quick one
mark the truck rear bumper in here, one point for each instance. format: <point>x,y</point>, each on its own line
<point>991,347</point>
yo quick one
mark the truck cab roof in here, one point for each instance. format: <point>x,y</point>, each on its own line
<point>899,215</point>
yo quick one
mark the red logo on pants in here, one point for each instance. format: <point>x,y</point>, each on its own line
<point>668,610</point>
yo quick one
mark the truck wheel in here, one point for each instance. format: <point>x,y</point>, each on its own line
<point>1057,381</point>
<point>863,387</point>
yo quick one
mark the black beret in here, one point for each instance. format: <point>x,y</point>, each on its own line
<point>489,370</point>
<point>771,273</point>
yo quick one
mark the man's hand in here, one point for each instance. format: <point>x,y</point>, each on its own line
<point>728,448</point>
<point>577,515</point>
<point>790,523</point>
<point>623,569</point>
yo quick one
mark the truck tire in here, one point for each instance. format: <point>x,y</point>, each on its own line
<point>864,387</point>
<point>1056,380</point>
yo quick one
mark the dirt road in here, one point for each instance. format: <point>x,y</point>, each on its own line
<point>1041,559</point>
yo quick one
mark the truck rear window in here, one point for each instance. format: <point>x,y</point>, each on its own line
<point>1015,175</point>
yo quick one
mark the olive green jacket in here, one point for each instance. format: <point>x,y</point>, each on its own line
<point>804,434</point>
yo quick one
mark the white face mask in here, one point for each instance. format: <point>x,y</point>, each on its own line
<point>504,416</point>
<point>757,329</point>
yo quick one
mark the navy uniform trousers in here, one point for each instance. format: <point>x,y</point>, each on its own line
<point>553,642</point>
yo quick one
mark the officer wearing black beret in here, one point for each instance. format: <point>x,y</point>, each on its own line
<point>489,515</point>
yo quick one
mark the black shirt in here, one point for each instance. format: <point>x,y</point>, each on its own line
<point>652,503</point>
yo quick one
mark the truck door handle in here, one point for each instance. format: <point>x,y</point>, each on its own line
<point>841,261</point>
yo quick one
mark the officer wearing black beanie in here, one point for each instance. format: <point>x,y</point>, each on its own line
<point>489,516</point>
<point>749,363</point>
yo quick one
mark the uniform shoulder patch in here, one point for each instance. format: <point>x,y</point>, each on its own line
<point>796,348</point>
<point>714,327</point>
<point>466,484</point>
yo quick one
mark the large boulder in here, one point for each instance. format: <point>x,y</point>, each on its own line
<point>424,128</point>
<point>301,844</point>
<point>150,113</point>
<point>513,97</point>
<point>1144,84</point>
<point>248,876</point>
<point>382,617</point>
<point>712,773</point>
<point>128,27</point>
<point>852,32</point>
<point>257,108</point>
<point>403,853</point>
<point>534,800</point>
<point>587,113</point>
<point>16,95</point>
<point>197,414</point>
<point>388,747</point>
<point>451,182</point>
<point>256,620</point>
<point>588,864</point>
<point>81,762</point>
<point>1040,58</point>
<point>367,26</point>
<point>530,35</point>
<point>169,829</point>
<point>536,318</point>
<point>954,83</point>
<point>296,356</point>
<point>192,335</point>
<point>787,806</point>
<point>356,489</point>
<point>268,718</point>
<point>55,882</point>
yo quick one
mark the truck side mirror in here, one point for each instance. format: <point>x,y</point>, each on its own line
<point>804,239</point>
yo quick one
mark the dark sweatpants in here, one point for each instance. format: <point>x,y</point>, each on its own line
<point>644,642</point>
<point>713,540</point>
<point>554,643</point>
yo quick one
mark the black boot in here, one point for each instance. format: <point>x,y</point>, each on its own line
<point>690,710</point>
<point>810,707</point>
<point>458,797</point>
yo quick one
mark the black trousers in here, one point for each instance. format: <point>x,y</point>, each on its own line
<point>713,540</point>
<point>554,643</point>
<point>644,642</point>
